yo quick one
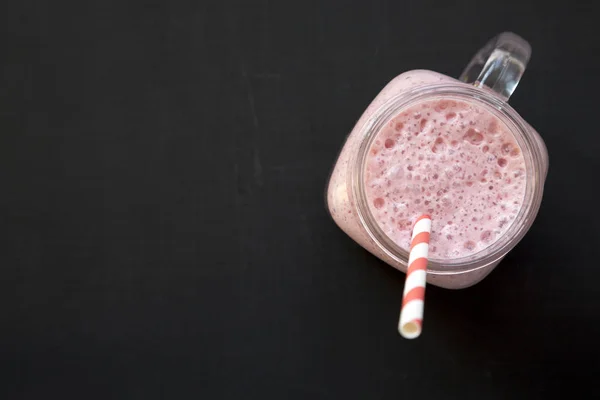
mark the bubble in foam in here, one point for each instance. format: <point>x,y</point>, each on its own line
<point>473,136</point>
<point>404,224</point>
<point>507,148</point>
<point>469,245</point>
<point>378,202</point>
<point>441,105</point>
<point>439,145</point>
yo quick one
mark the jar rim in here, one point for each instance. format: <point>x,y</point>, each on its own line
<point>517,126</point>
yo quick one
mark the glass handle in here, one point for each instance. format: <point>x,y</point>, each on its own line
<point>499,65</point>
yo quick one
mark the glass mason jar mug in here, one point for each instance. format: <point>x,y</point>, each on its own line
<point>487,82</point>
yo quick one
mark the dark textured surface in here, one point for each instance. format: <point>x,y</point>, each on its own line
<point>164,234</point>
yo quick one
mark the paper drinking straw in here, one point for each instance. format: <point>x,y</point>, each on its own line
<point>411,315</point>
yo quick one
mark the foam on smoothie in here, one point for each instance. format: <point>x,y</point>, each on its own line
<point>453,160</point>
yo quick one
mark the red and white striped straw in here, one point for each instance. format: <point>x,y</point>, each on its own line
<point>411,316</point>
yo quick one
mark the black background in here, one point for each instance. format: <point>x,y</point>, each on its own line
<point>164,233</point>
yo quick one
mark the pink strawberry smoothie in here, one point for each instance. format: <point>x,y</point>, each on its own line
<point>485,143</point>
<point>454,161</point>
